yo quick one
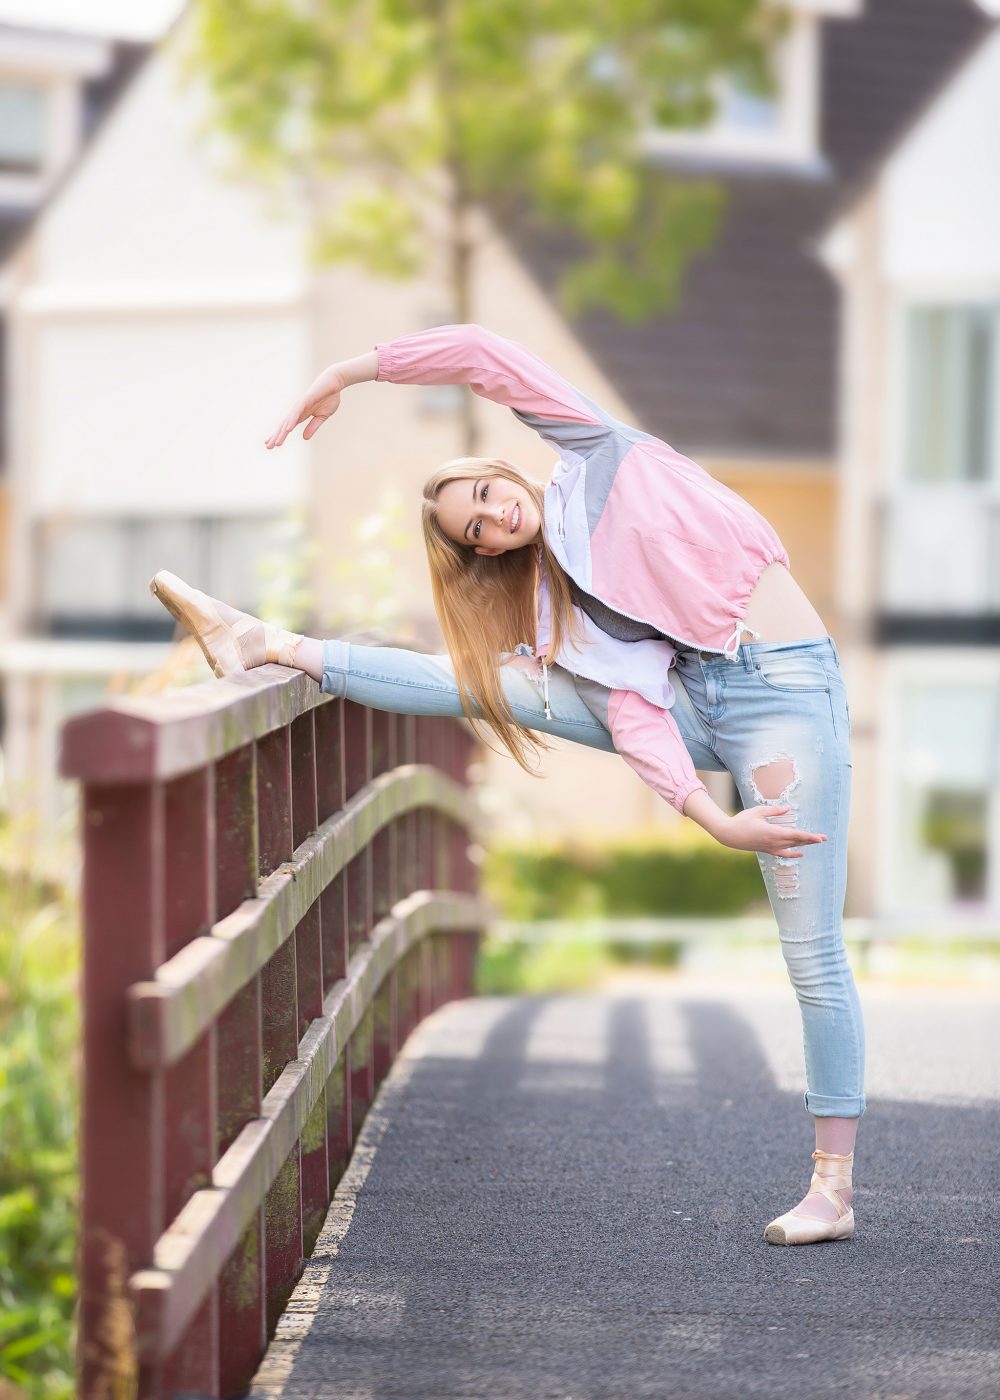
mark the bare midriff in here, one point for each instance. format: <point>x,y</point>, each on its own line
<point>780,611</point>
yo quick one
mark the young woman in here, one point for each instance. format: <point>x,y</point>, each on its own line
<point>564,608</point>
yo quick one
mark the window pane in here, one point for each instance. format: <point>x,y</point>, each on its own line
<point>177,545</point>
<point>745,110</point>
<point>248,558</point>
<point>949,411</point>
<point>22,127</point>
<point>980,347</point>
<point>948,740</point>
<point>83,568</point>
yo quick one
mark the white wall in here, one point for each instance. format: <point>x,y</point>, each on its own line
<point>941,192</point>
<point>146,414</point>
<point>148,203</point>
<point>159,327</point>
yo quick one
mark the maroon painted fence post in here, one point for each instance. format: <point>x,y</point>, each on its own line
<point>273,895</point>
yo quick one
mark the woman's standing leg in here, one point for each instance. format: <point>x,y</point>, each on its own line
<point>781,722</point>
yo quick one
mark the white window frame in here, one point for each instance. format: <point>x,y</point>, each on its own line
<point>58,64</point>
<point>956,666</point>
<point>893,489</point>
<point>795,138</point>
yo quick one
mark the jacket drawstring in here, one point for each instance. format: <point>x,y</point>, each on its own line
<point>734,640</point>
<point>545,690</point>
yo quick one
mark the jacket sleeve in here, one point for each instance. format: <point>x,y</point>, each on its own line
<point>649,741</point>
<point>504,371</point>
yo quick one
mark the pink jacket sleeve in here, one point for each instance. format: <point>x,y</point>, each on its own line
<point>501,370</point>
<point>649,741</point>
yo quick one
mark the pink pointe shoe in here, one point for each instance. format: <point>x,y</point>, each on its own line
<point>796,1228</point>
<point>232,641</point>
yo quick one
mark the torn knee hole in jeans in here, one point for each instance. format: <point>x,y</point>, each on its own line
<point>532,668</point>
<point>536,672</point>
<point>772,780</point>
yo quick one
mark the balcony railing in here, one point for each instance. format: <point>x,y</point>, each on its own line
<point>939,558</point>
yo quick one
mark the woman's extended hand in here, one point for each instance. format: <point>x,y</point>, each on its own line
<point>751,830</point>
<point>320,401</point>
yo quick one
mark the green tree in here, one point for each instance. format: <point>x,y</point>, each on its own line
<point>395,119</point>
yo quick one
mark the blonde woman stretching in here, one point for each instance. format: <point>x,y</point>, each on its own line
<point>564,608</point>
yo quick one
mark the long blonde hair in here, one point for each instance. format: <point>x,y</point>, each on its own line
<point>486,604</point>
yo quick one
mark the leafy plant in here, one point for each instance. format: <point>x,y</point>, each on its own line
<point>638,877</point>
<point>39,1038</point>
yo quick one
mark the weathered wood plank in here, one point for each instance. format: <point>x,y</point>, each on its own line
<point>167,1015</point>
<point>139,739</point>
<point>210,1225</point>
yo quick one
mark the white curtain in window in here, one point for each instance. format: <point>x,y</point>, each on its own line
<point>950,735</point>
<point>950,418</point>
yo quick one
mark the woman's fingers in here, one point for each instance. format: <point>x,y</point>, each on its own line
<point>798,838</point>
<point>788,840</point>
<point>795,836</point>
<point>305,411</point>
<point>285,427</point>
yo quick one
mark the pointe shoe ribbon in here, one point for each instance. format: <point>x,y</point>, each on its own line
<point>795,1227</point>
<point>229,646</point>
<point>279,645</point>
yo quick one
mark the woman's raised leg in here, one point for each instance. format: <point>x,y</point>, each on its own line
<point>418,683</point>
<point>402,681</point>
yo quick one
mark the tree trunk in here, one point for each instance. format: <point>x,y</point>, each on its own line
<point>460,275</point>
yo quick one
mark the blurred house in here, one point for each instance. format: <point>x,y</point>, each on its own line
<point>916,249</point>
<point>743,375</point>
<point>147,305</point>
<point>163,315</point>
<point>55,91</point>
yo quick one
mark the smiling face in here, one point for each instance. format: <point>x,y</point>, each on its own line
<point>489,514</point>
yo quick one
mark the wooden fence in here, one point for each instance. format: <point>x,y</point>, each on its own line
<point>276,888</point>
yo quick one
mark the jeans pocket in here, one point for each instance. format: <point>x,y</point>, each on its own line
<point>792,671</point>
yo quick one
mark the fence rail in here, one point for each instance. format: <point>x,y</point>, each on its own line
<point>276,888</point>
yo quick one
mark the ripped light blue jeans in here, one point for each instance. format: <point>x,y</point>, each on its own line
<point>780,706</point>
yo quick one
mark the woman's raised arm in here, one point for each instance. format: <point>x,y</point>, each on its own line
<point>504,371</point>
<point>495,368</point>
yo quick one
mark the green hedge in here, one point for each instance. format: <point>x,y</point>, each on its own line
<point>39,1057</point>
<point>634,878</point>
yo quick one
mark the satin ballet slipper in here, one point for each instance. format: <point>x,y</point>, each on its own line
<point>795,1227</point>
<point>234,642</point>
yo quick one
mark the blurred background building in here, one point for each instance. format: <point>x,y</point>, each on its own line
<point>833,359</point>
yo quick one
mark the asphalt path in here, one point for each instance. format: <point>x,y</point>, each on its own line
<point>565,1197</point>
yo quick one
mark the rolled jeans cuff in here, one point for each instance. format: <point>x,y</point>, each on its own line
<point>336,667</point>
<point>826,1106</point>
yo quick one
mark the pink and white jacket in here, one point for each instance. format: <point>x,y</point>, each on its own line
<point>636,524</point>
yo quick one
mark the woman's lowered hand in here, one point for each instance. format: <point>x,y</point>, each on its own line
<point>320,401</point>
<point>756,829</point>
